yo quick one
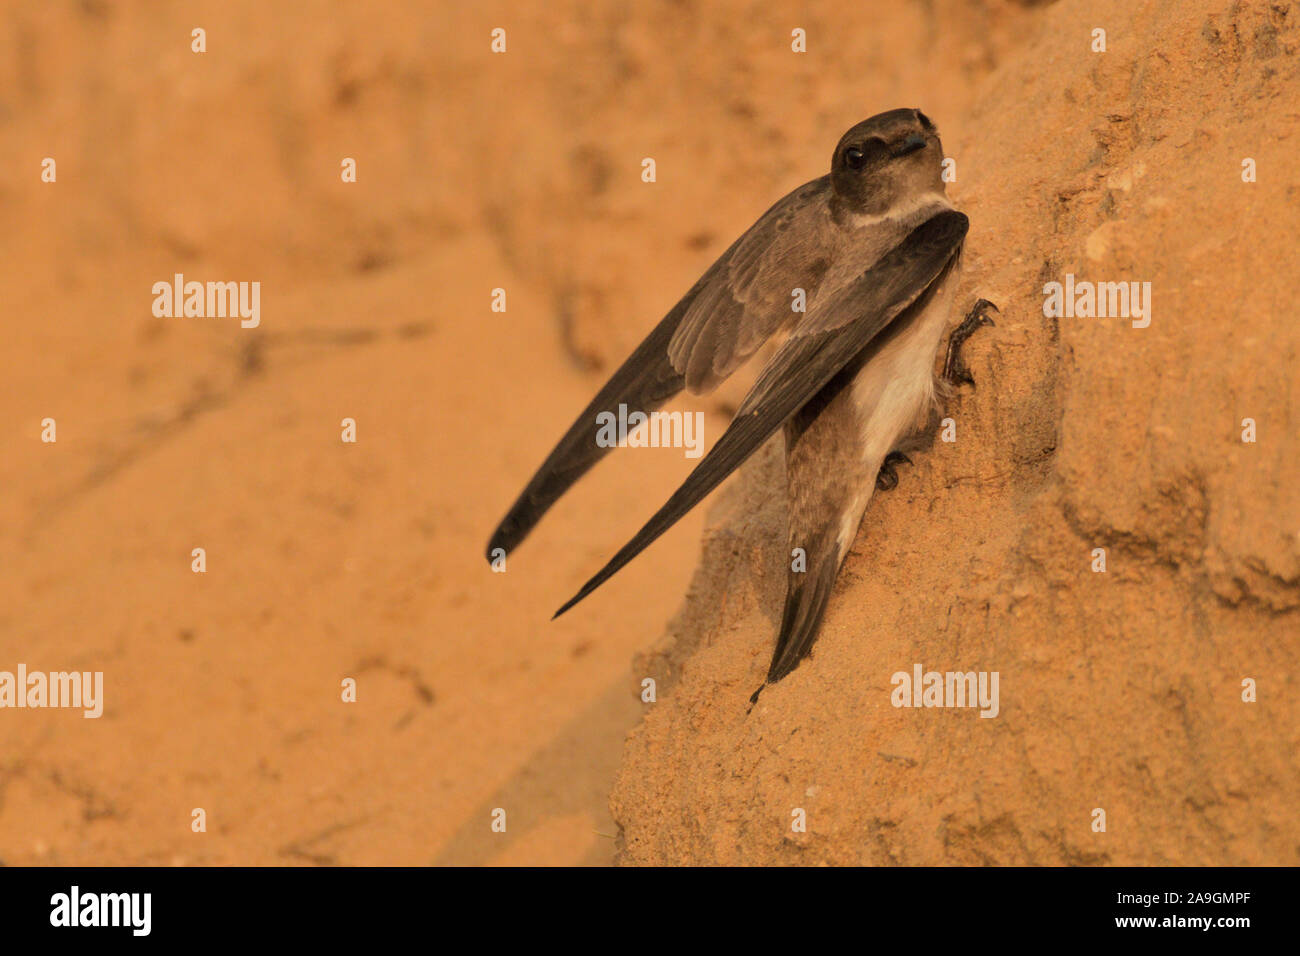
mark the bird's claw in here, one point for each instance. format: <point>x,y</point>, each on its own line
<point>887,477</point>
<point>955,371</point>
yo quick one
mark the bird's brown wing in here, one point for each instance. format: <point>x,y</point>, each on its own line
<point>740,302</point>
<point>750,298</point>
<point>804,365</point>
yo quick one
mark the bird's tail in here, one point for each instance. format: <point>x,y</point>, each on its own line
<point>826,501</point>
<point>806,596</point>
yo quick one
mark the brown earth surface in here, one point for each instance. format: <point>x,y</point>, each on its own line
<point>522,171</point>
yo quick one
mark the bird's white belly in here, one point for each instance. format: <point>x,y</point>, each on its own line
<point>895,389</point>
<point>892,396</point>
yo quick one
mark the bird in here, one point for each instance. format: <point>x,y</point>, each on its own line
<point>851,278</point>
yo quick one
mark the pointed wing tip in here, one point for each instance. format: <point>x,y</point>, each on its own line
<point>503,539</point>
<point>586,589</point>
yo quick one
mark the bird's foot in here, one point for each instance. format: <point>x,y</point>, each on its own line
<point>887,478</point>
<point>955,371</point>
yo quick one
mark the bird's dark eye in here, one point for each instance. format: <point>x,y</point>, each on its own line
<point>855,158</point>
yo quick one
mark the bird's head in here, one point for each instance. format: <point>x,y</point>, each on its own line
<point>892,157</point>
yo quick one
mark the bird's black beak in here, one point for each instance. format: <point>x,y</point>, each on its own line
<point>910,145</point>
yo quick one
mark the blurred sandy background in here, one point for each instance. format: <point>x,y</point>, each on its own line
<point>475,171</point>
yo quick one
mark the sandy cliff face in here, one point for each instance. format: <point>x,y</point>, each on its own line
<point>1119,690</point>
<point>522,171</point>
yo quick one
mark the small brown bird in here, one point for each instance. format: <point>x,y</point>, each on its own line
<point>874,246</point>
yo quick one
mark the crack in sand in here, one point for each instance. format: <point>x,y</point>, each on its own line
<point>250,364</point>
